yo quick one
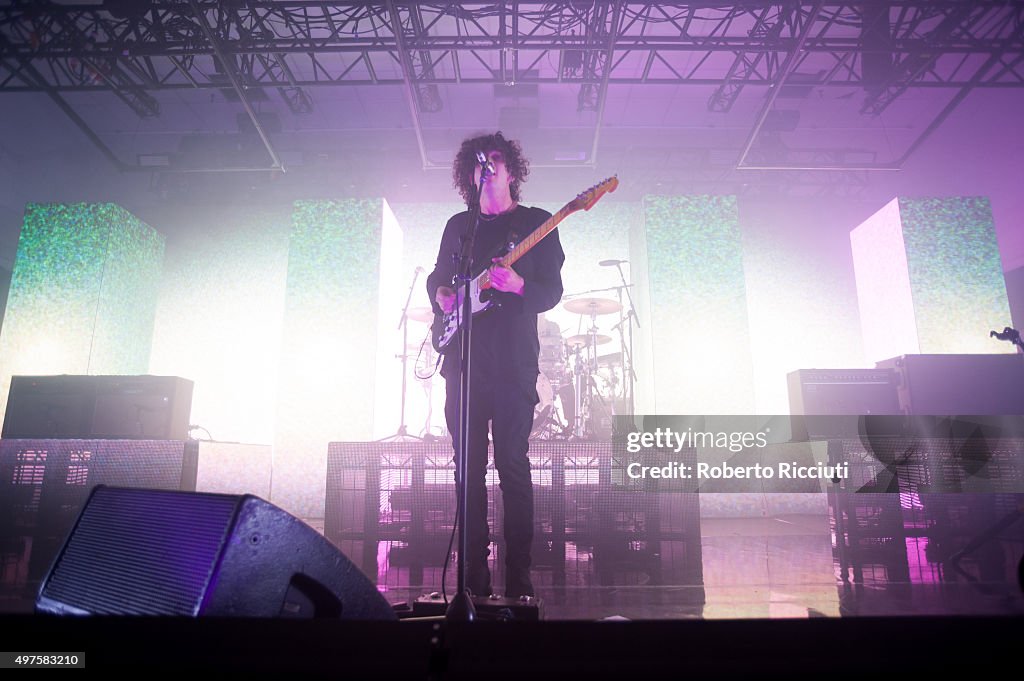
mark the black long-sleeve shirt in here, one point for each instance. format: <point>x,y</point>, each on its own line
<point>505,345</point>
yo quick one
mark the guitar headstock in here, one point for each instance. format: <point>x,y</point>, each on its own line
<point>586,199</point>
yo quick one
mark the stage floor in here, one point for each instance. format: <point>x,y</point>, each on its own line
<point>785,566</point>
<point>781,567</point>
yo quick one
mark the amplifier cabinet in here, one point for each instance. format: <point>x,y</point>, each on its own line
<point>106,407</point>
<point>951,385</point>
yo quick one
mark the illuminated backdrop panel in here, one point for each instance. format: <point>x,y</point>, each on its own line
<point>801,298</point>
<point>83,293</point>
<point>421,225</point>
<point>696,329</point>
<point>220,317</point>
<point>929,278</point>
<point>329,348</point>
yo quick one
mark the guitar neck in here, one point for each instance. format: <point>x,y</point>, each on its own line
<point>524,246</point>
<point>529,242</point>
<point>583,201</point>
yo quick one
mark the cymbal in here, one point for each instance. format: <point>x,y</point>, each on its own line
<point>584,339</point>
<point>421,314</point>
<point>611,359</point>
<point>592,306</point>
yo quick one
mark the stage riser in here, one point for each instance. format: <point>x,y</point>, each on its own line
<point>402,496</point>
<point>43,484</point>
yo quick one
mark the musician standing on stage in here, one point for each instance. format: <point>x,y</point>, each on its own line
<point>505,348</point>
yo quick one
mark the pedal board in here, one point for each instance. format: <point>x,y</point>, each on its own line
<point>524,609</point>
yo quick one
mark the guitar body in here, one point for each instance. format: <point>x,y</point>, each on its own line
<point>445,327</point>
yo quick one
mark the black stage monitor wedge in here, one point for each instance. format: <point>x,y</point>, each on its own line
<point>157,552</point>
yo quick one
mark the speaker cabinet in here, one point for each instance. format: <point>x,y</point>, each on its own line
<point>842,392</point>
<point>142,407</point>
<point>49,407</point>
<point>45,483</point>
<point>836,402</point>
<point>157,552</point>
<point>110,407</point>
<point>950,385</point>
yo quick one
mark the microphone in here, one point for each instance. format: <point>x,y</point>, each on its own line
<point>611,263</point>
<point>419,270</point>
<point>486,165</point>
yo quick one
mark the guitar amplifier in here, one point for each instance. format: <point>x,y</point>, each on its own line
<point>843,391</point>
<point>950,385</point>
<point>835,401</point>
<point>105,407</point>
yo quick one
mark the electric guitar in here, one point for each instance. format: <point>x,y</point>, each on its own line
<point>446,326</point>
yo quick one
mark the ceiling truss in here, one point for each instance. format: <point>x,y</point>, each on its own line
<point>294,47</point>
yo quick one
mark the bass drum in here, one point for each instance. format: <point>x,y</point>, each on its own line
<point>552,358</point>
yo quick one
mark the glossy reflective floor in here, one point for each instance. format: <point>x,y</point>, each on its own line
<point>779,565</point>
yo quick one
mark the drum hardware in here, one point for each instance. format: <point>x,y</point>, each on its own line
<point>582,340</point>
<point>592,306</point>
<point>626,337</point>
<point>584,363</point>
<point>402,434</point>
<point>601,384</point>
<point>555,410</point>
<point>424,315</point>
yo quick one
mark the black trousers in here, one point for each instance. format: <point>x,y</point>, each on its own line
<point>508,407</point>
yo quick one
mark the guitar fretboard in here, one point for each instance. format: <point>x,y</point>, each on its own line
<point>529,242</point>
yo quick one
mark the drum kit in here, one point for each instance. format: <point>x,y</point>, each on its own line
<point>578,386</point>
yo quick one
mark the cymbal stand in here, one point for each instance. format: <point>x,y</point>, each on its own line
<point>592,393</point>
<point>627,348</point>
<point>428,393</point>
<point>579,371</point>
<point>402,435</point>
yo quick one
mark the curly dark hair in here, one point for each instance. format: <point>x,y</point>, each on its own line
<point>465,164</point>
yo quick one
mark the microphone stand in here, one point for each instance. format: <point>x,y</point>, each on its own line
<point>461,608</point>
